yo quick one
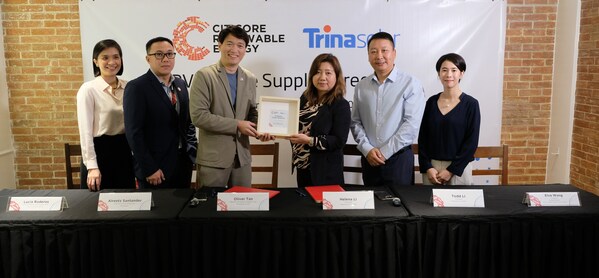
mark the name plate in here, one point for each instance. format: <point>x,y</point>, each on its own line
<point>458,198</point>
<point>552,199</point>
<point>348,200</point>
<point>37,203</point>
<point>125,201</point>
<point>254,201</point>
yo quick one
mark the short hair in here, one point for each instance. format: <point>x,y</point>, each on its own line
<point>456,59</point>
<point>311,93</point>
<point>155,40</point>
<point>101,46</point>
<point>236,31</point>
<point>381,35</point>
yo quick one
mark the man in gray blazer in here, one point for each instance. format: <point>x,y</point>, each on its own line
<point>223,107</point>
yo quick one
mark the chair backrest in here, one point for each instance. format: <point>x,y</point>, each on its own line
<point>352,150</point>
<point>271,150</point>
<point>500,152</point>
<point>72,166</point>
<point>353,154</point>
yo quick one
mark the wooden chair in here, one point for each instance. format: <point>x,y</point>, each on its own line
<point>500,152</point>
<point>267,149</point>
<point>352,151</point>
<point>72,165</point>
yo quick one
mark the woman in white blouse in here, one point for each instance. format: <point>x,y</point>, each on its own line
<point>104,147</point>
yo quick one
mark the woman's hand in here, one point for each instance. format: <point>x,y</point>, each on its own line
<point>432,175</point>
<point>299,139</point>
<point>94,179</point>
<point>444,176</point>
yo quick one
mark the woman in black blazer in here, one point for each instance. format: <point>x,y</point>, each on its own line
<point>324,125</point>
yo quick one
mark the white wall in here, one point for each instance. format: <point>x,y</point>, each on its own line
<point>564,92</point>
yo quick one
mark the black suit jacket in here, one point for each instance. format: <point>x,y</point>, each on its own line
<point>332,122</point>
<point>153,127</point>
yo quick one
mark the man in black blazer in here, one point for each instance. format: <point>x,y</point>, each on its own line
<point>157,123</point>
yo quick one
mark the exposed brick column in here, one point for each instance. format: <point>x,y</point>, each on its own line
<point>528,75</point>
<point>584,171</point>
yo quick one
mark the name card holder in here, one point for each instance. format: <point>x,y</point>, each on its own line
<point>125,201</point>
<point>348,200</point>
<point>44,203</point>
<point>458,198</point>
<point>235,201</point>
<point>551,199</point>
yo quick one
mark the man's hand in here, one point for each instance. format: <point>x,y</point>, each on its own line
<point>247,128</point>
<point>156,178</point>
<point>265,137</point>
<point>375,157</point>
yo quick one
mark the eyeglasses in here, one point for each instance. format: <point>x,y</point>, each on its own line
<point>160,55</point>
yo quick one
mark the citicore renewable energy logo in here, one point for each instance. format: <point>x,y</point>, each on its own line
<point>182,46</point>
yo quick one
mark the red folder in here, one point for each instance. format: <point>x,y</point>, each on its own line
<point>243,189</point>
<point>316,191</point>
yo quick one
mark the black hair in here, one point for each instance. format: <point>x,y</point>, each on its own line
<point>101,46</point>
<point>236,31</point>
<point>155,40</point>
<point>381,35</point>
<point>456,59</point>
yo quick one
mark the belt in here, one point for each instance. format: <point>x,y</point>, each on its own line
<point>404,149</point>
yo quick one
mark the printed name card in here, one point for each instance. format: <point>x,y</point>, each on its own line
<point>125,201</point>
<point>37,203</point>
<point>254,201</point>
<point>458,198</point>
<point>552,199</point>
<point>348,200</point>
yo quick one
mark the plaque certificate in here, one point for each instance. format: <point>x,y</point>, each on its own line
<point>278,116</point>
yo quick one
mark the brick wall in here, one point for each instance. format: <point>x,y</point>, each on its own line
<point>527,85</point>
<point>43,59</point>
<point>43,68</point>
<point>585,140</point>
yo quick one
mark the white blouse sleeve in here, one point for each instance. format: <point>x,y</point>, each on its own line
<point>85,119</point>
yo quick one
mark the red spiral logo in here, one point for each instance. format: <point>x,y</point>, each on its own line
<point>222,205</point>
<point>14,206</point>
<point>102,205</point>
<point>182,46</point>
<point>438,201</point>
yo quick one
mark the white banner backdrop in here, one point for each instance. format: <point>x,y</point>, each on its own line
<point>286,36</point>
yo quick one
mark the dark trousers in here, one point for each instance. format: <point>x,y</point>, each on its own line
<point>304,177</point>
<point>397,170</point>
<point>115,162</point>
<point>181,178</point>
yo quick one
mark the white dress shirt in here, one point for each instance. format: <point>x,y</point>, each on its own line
<point>99,112</point>
<point>387,115</point>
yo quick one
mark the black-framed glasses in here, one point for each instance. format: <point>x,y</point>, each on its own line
<point>160,55</point>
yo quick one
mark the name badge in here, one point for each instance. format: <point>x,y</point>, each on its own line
<point>348,200</point>
<point>37,203</point>
<point>458,198</point>
<point>125,201</point>
<point>552,199</point>
<point>255,201</point>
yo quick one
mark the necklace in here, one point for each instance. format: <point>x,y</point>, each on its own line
<point>446,103</point>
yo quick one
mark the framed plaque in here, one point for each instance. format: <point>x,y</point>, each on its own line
<point>278,116</point>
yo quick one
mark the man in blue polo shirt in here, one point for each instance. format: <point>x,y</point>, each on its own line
<point>386,115</point>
